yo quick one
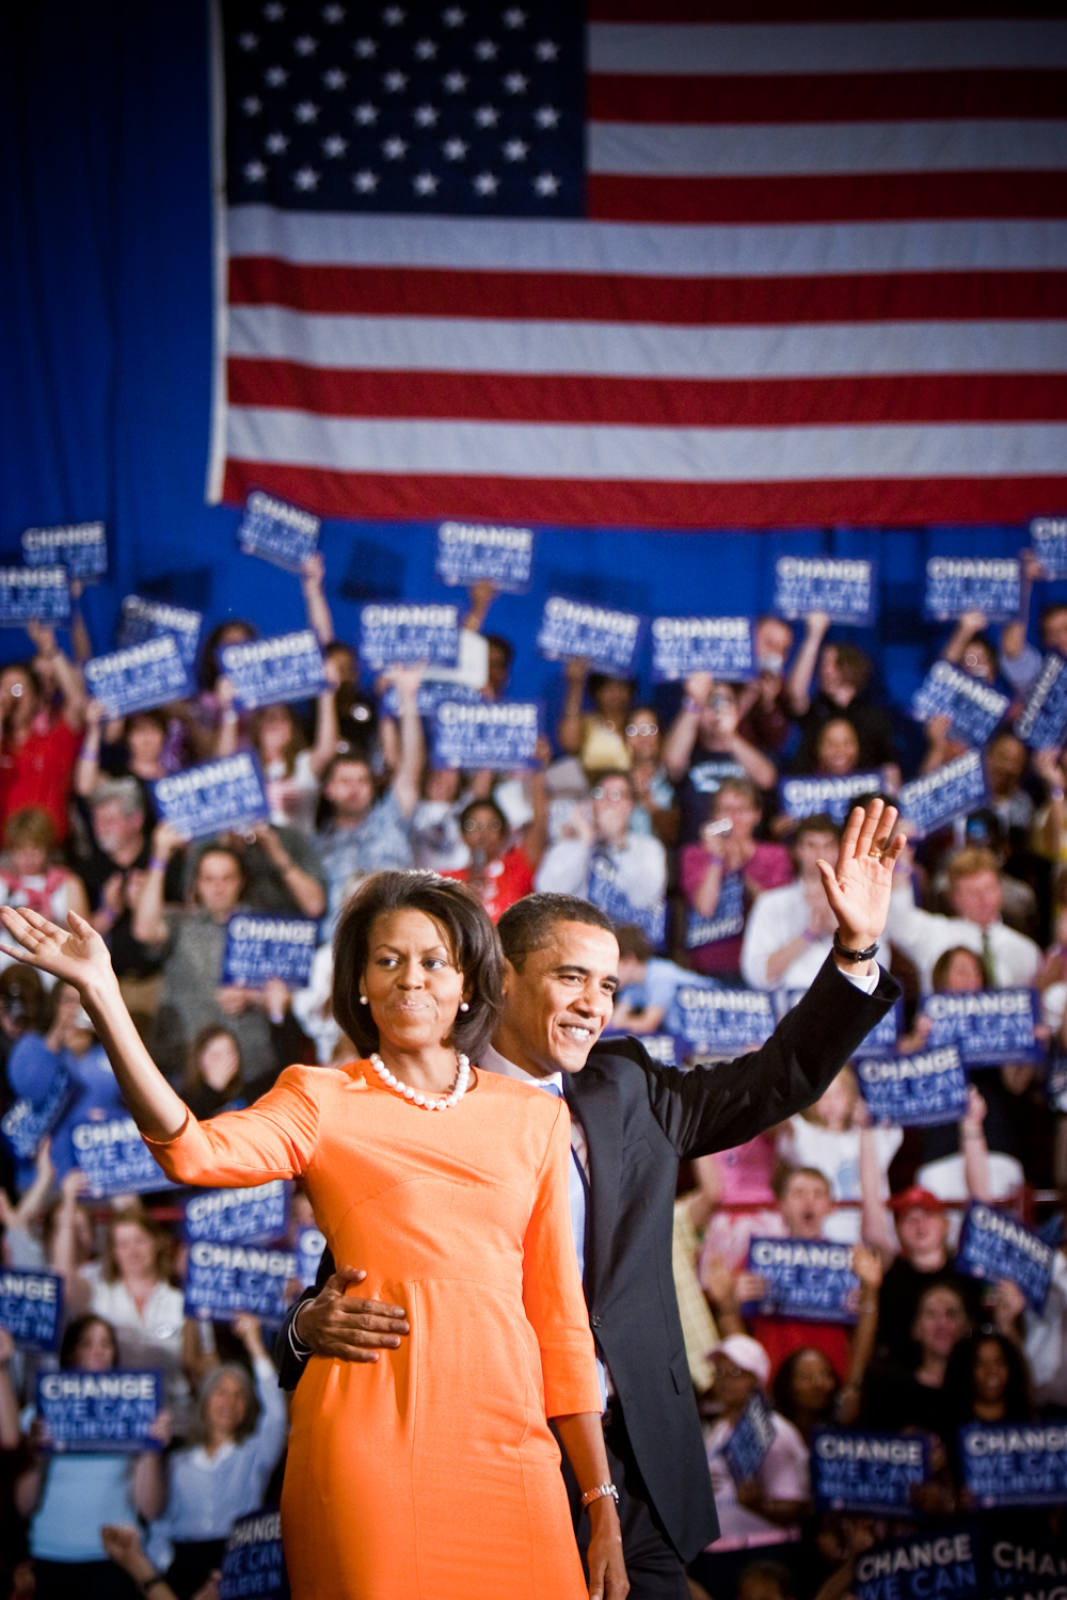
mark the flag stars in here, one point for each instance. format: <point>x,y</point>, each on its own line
<point>395,81</point>
<point>485,50</point>
<point>275,76</point>
<point>307,111</point>
<point>515,82</point>
<point>425,183</point>
<point>454,82</point>
<point>333,14</point>
<point>251,105</point>
<point>425,49</point>
<point>514,17</point>
<point>546,184</point>
<point>365,49</point>
<point>425,116</point>
<point>335,78</point>
<point>334,146</point>
<point>546,117</point>
<point>394,149</point>
<point>546,50</point>
<point>306,180</point>
<point>485,183</point>
<point>393,16</point>
<point>365,182</point>
<point>277,143</point>
<point>274,12</point>
<point>453,17</point>
<point>366,114</point>
<point>255,171</point>
<point>305,45</point>
<point>455,149</point>
<point>487,116</point>
<point>516,150</point>
<point>248,41</point>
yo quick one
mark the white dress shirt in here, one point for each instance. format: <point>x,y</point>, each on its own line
<point>778,916</point>
<point>925,935</point>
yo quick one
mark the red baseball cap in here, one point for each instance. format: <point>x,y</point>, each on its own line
<point>916,1199</point>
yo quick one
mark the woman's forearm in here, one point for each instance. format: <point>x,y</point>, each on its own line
<point>150,1100</point>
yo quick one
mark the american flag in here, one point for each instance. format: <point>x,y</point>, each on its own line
<point>676,265</point>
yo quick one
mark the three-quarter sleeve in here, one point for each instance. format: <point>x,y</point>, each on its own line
<point>552,1290</point>
<point>275,1138</point>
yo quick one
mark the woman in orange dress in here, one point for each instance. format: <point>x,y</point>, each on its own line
<point>429,1471</point>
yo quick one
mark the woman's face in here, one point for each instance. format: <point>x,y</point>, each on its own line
<point>612,699</point>
<point>275,730</point>
<point>838,749</point>
<point>95,1350</point>
<point>813,1380</point>
<point>963,975</point>
<point>219,1061</point>
<point>836,1105</point>
<point>134,1250</point>
<point>482,831</point>
<point>226,1406</point>
<point>442,783</point>
<point>991,1372</point>
<point>144,740</point>
<point>642,734</point>
<point>411,981</point>
<point>29,860</point>
<point>940,1322</point>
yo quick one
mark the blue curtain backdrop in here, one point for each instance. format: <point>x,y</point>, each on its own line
<point>107,284</point>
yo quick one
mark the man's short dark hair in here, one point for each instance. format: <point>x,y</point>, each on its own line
<point>854,665</point>
<point>633,941</point>
<point>527,925</point>
<point>470,936</point>
<point>821,822</point>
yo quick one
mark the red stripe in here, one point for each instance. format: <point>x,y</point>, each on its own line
<point>569,503</point>
<point>505,397</point>
<point>581,297</point>
<point>804,11</point>
<point>855,97</point>
<point>862,197</point>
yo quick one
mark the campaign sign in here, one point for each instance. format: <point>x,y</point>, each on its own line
<point>955,584</point>
<point>473,552</point>
<point>953,790</point>
<point>811,797</point>
<point>93,1411</point>
<point>214,797</point>
<point>922,1090</point>
<point>267,671</point>
<point>148,619</point>
<point>310,1243</point>
<point>402,631</point>
<point>1015,1464</point>
<point>972,707</point>
<point>574,628</point>
<point>33,594</point>
<point>254,1563</point>
<point>224,1279</point>
<point>867,1472</point>
<point>431,693</point>
<point>260,946</point>
<point>746,1449</point>
<point>844,589</point>
<point>606,893</point>
<point>993,1246</point>
<point>1048,540</point>
<point>115,1159</point>
<point>988,1028</point>
<point>944,1564</point>
<point>150,674</point>
<point>723,1022</point>
<point>501,736</point>
<point>1042,722</point>
<point>662,1048</point>
<point>725,922</point>
<point>809,1280</point>
<point>81,547</point>
<point>722,646</point>
<point>1019,1569</point>
<point>26,1123</point>
<point>238,1216</point>
<point>31,1307</point>
<point>277,532</point>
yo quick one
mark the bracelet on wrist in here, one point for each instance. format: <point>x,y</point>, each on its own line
<point>601,1492</point>
<point>689,704</point>
<point>156,864</point>
<point>846,954</point>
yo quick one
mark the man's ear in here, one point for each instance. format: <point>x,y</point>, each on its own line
<point>507,976</point>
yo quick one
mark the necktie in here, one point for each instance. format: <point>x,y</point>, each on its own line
<point>987,959</point>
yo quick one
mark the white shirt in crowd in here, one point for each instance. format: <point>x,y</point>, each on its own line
<point>778,916</point>
<point>639,863</point>
<point>925,935</point>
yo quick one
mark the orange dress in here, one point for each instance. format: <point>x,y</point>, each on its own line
<point>432,1472</point>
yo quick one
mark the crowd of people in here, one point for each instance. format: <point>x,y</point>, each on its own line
<point>663,811</point>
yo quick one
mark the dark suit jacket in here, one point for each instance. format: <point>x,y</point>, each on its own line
<point>640,1121</point>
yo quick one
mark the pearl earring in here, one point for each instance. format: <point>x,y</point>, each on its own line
<point>464,1006</point>
<point>363,999</point>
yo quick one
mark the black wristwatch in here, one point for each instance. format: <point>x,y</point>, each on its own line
<point>854,955</point>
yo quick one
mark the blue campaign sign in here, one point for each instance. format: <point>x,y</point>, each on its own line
<point>988,1029</point>
<point>214,797</point>
<point>224,1279</point>
<point>809,1280</point>
<point>1018,1568</point>
<point>238,1216</point>
<point>26,1124</point>
<point>115,1159</point>
<point>267,671</point>
<point>310,1243</point>
<point>953,790</point>
<point>31,1307</point>
<point>260,946</point>
<point>500,735</point>
<point>811,797</point>
<point>33,594</point>
<point>722,646</point>
<point>142,675</point>
<point>1048,541</point>
<point>1015,1464</point>
<point>253,1566</point>
<point>277,532</point>
<point>845,589</point>
<point>81,547</point>
<point>725,922</point>
<point>922,1090</point>
<point>148,619</point>
<point>723,1022</point>
<point>955,584</point>
<point>403,632</point>
<point>93,1411</point>
<point>607,894</point>
<point>606,639</point>
<point>746,1449</point>
<point>475,552</point>
<point>973,708</point>
<point>431,693</point>
<point>1042,722</point>
<point>943,1564</point>
<point>993,1246</point>
<point>874,1473</point>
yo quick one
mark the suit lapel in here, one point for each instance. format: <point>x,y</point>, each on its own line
<point>594,1101</point>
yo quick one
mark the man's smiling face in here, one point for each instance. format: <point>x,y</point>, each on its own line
<point>556,1008</point>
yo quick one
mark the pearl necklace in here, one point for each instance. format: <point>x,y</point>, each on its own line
<point>417,1098</point>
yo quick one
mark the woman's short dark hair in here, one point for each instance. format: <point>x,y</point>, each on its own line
<point>959,1388</point>
<point>487,804</point>
<point>782,1390</point>
<point>74,1333</point>
<point>472,941</point>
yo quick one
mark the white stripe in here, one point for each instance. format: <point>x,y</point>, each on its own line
<point>821,48</point>
<point>662,151</point>
<point>374,240</point>
<point>441,344</point>
<point>679,455</point>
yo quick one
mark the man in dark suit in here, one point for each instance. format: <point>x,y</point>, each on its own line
<point>633,1122</point>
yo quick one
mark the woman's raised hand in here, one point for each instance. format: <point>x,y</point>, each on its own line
<point>75,954</point>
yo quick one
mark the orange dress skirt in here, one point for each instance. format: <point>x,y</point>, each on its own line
<point>432,1472</point>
